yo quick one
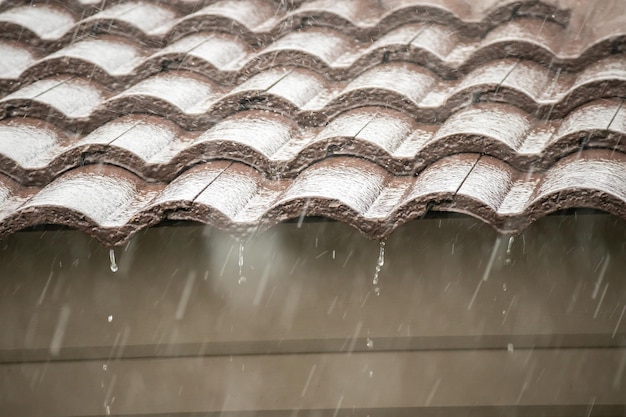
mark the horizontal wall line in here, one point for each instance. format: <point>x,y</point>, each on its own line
<point>317,346</point>
<point>582,410</point>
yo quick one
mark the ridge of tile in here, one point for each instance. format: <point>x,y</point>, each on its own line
<point>88,8</point>
<point>33,152</point>
<point>119,62</point>
<point>258,21</point>
<point>79,104</point>
<point>228,59</point>
<point>114,204</point>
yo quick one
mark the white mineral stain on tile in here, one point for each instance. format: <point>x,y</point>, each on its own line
<point>47,22</point>
<point>14,60</point>
<point>489,182</point>
<point>116,57</point>
<point>504,124</point>
<point>98,197</point>
<point>230,192</point>
<point>75,98</point>
<point>597,170</point>
<point>146,139</point>
<point>408,80</point>
<point>265,134</point>
<point>189,94</point>
<point>355,186</point>
<point>30,146</point>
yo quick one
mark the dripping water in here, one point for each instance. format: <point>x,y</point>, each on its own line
<point>508,250</point>
<point>242,279</point>
<point>114,267</point>
<point>379,265</point>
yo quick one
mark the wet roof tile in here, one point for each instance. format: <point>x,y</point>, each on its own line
<point>242,114</point>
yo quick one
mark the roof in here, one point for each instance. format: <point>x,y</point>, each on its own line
<point>116,116</point>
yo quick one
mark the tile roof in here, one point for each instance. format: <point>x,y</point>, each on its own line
<point>117,115</point>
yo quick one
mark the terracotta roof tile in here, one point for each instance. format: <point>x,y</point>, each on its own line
<point>337,56</point>
<point>112,204</point>
<point>242,114</point>
<point>262,20</point>
<point>35,152</point>
<point>195,101</point>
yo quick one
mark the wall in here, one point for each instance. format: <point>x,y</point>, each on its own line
<point>461,326</point>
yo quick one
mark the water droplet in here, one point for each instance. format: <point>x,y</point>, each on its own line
<point>110,318</point>
<point>241,249</point>
<point>104,367</point>
<point>510,347</point>
<point>371,374</point>
<point>369,343</point>
<point>503,312</point>
<point>377,291</point>
<point>508,250</point>
<point>114,267</point>
<point>504,287</point>
<point>380,262</point>
<point>241,279</point>
<point>108,410</point>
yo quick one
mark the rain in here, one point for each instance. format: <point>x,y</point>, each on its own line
<point>312,208</point>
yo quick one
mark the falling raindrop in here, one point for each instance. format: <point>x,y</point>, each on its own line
<point>59,332</point>
<point>508,250</point>
<point>380,262</point>
<point>371,374</point>
<point>619,320</point>
<point>241,279</point>
<point>110,318</point>
<point>104,367</point>
<point>510,347</point>
<point>377,291</point>
<point>433,391</point>
<point>596,288</point>
<point>185,295</point>
<point>303,213</point>
<point>492,259</point>
<point>241,249</point>
<point>369,343</point>
<point>308,381</point>
<point>114,267</point>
